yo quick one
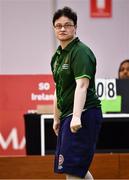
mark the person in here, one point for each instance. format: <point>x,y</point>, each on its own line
<point>123,72</point>
<point>77,109</point>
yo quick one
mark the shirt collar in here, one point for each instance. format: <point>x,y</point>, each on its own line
<point>68,47</point>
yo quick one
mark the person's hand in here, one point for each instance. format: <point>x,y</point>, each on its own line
<point>75,124</point>
<point>56,126</point>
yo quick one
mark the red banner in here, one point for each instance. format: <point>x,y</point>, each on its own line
<point>18,95</point>
<point>100,8</point>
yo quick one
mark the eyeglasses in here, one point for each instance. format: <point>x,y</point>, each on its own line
<point>65,26</point>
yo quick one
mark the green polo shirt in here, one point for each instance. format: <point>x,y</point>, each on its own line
<point>73,62</point>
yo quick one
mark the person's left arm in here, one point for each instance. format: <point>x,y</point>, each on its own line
<point>79,101</point>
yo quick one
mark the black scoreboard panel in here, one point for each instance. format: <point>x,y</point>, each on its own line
<point>114,135</point>
<point>122,87</point>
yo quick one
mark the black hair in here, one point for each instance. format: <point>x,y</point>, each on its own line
<point>66,11</point>
<point>125,61</point>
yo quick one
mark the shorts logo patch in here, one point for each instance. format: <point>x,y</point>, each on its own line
<point>61,160</point>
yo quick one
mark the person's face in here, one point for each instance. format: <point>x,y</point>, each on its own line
<point>124,71</point>
<point>65,29</point>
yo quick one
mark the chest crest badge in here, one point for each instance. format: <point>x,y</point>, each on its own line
<point>66,64</point>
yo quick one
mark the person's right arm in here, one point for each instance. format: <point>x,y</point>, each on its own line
<point>57,113</point>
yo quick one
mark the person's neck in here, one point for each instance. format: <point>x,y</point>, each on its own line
<point>65,43</point>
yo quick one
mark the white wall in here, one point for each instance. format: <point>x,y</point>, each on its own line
<point>26,36</point>
<point>27,42</point>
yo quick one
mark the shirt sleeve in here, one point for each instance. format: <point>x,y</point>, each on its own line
<point>83,64</point>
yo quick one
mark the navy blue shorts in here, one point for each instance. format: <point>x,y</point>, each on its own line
<point>74,151</point>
